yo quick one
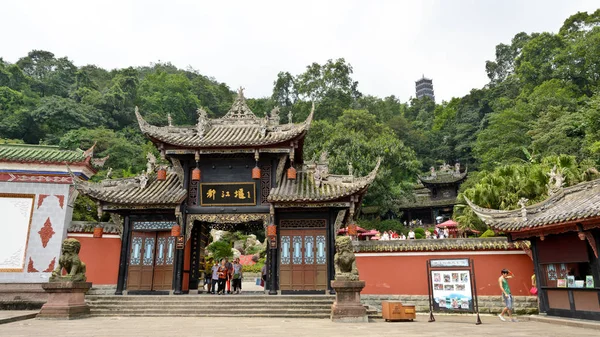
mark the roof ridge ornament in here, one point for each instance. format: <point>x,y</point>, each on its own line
<point>203,122</point>
<point>556,181</point>
<point>523,204</point>
<point>239,109</point>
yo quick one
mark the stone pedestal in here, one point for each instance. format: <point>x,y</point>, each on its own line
<point>66,300</point>
<point>347,306</point>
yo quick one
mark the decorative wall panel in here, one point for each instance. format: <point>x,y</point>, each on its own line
<point>17,210</point>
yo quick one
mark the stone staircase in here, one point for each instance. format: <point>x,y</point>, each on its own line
<point>243,305</point>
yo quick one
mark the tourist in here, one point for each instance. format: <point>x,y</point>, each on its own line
<point>411,234</point>
<point>263,276</point>
<point>441,233</point>
<point>208,265</point>
<point>506,294</point>
<point>402,236</point>
<point>385,236</point>
<point>237,276</point>
<point>446,232</point>
<point>229,267</point>
<point>427,234</point>
<point>223,273</point>
<point>215,277</point>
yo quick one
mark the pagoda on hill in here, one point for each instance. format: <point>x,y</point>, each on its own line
<point>234,172</point>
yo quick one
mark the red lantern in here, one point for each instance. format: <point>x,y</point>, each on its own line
<point>176,230</point>
<point>352,230</point>
<point>291,173</point>
<point>196,174</point>
<point>271,230</point>
<point>98,231</point>
<point>161,174</point>
<point>255,173</point>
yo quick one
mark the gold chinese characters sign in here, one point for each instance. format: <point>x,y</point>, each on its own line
<point>228,194</point>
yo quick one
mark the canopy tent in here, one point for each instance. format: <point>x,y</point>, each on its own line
<point>449,223</point>
<point>371,232</point>
<point>344,230</point>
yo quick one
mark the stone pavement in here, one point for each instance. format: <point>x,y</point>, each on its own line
<point>8,316</point>
<point>265,327</point>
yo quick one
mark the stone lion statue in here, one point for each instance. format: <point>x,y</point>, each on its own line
<point>345,261</point>
<point>69,260</point>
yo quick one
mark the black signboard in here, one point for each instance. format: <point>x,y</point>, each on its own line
<point>228,194</point>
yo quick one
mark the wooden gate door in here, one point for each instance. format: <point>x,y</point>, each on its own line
<point>151,261</point>
<point>163,267</point>
<point>303,258</point>
<point>141,261</point>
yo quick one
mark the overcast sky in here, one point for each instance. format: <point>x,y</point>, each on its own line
<point>390,44</point>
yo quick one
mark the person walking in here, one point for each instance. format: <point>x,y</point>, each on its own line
<point>506,294</point>
<point>263,276</point>
<point>215,277</point>
<point>237,276</point>
<point>229,267</point>
<point>223,273</point>
<point>208,264</point>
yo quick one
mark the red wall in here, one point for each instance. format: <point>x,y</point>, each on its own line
<point>101,258</point>
<point>407,274</point>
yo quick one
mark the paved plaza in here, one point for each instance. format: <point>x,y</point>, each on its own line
<point>265,327</point>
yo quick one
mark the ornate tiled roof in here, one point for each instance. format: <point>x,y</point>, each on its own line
<point>42,154</point>
<point>499,243</point>
<point>424,202</point>
<point>445,175</point>
<point>238,128</point>
<point>88,227</point>
<point>312,185</point>
<point>144,189</point>
<point>573,204</point>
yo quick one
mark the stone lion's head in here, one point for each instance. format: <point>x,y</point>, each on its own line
<point>71,246</point>
<point>343,244</point>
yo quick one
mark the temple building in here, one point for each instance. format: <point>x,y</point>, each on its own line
<point>434,195</point>
<point>235,172</point>
<point>36,198</point>
<point>564,231</point>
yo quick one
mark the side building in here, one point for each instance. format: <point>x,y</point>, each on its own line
<point>236,172</point>
<point>434,195</point>
<point>564,231</point>
<point>36,201</point>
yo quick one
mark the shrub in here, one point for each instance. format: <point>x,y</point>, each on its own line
<point>255,268</point>
<point>420,231</point>
<point>488,234</point>
<point>220,250</point>
<point>419,235</point>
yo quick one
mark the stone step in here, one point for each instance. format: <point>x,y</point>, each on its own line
<point>183,312</point>
<point>209,306</point>
<point>266,315</point>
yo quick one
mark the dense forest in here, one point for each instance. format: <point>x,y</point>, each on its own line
<point>541,108</point>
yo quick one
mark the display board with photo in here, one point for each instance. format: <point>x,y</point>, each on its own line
<point>452,290</point>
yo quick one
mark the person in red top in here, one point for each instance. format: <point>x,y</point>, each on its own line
<point>223,273</point>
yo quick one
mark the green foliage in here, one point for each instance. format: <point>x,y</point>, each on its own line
<point>419,236</point>
<point>220,250</point>
<point>420,231</point>
<point>488,234</point>
<point>255,268</point>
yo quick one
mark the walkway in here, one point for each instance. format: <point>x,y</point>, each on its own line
<point>265,327</point>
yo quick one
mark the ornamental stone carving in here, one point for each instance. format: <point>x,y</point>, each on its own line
<point>69,260</point>
<point>345,261</point>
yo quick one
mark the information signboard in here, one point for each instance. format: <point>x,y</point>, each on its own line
<point>452,287</point>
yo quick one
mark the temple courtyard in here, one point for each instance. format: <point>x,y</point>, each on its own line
<point>264,327</point>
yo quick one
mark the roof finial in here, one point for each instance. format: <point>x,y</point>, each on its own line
<point>241,92</point>
<point>169,119</point>
<point>290,115</point>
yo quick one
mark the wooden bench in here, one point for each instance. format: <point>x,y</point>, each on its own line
<point>395,311</point>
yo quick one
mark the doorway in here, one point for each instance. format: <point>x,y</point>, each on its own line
<point>151,261</point>
<point>302,256</point>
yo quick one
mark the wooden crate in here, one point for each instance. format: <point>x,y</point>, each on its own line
<point>395,311</point>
